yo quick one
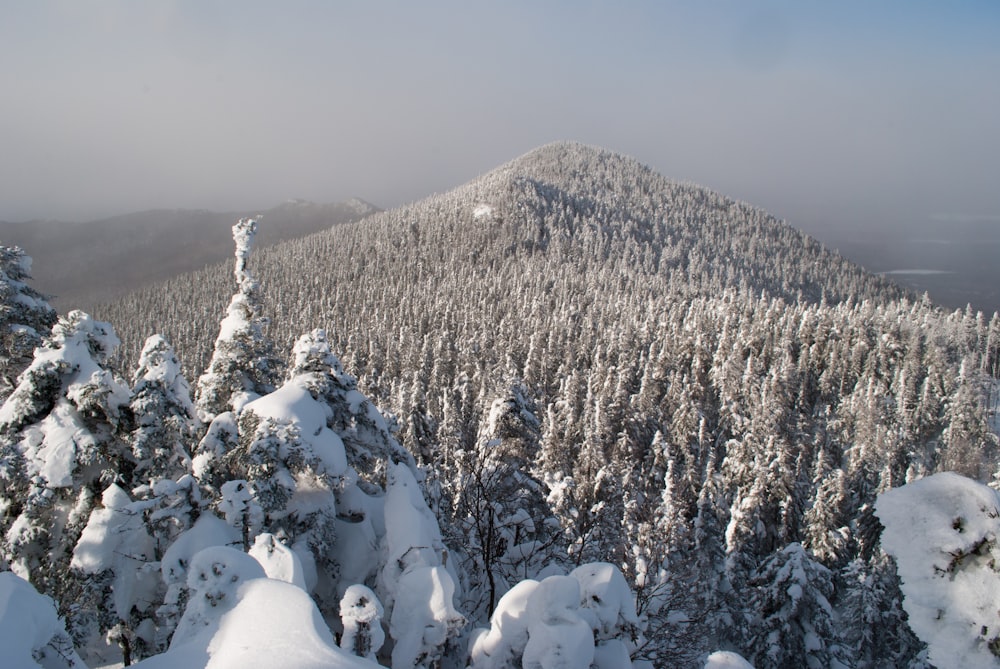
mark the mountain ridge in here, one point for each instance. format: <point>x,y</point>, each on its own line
<point>83,263</point>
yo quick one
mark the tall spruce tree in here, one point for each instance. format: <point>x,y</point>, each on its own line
<point>243,365</point>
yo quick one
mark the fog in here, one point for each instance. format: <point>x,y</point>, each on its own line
<point>841,117</point>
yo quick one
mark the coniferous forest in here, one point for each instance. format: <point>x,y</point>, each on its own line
<point>658,416</point>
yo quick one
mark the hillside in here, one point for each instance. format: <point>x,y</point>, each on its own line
<point>585,215</point>
<point>592,368</point>
<point>81,264</point>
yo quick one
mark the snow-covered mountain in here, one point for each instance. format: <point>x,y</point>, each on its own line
<point>621,421</point>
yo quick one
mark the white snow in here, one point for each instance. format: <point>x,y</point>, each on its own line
<point>412,534</point>
<point>423,615</point>
<point>293,403</point>
<point>606,600</point>
<point>208,530</point>
<point>558,638</point>
<point>31,634</point>
<point>943,530</point>
<point>482,211</point>
<point>724,659</point>
<point>271,625</point>
<point>51,446</point>
<point>278,560</point>
<point>508,633</point>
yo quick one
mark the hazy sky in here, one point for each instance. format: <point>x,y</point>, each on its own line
<point>855,113</point>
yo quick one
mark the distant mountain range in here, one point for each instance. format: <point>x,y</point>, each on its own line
<point>81,264</point>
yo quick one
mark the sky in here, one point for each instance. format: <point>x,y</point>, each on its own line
<point>848,114</point>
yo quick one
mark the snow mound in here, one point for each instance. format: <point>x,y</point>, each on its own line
<point>942,530</point>
<point>214,576</point>
<point>278,560</point>
<point>31,634</point>
<point>273,624</point>
<point>724,659</point>
<point>558,638</point>
<point>482,211</point>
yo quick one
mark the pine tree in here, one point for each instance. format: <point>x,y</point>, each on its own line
<point>244,365</point>
<point>793,623</point>
<point>165,419</point>
<point>25,317</point>
<point>61,447</point>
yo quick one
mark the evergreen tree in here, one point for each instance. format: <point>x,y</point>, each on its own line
<point>165,419</point>
<point>61,447</point>
<point>25,317</point>
<point>244,365</point>
<point>793,624</point>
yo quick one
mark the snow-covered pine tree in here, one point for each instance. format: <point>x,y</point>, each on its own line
<point>166,422</point>
<point>244,365</point>
<point>26,318</point>
<point>61,447</point>
<point>791,622</point>
<point>499,515</point>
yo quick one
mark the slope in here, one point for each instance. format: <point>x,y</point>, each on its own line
<point>587,212</point>
<point>85,263</point>
<point>668,380</point>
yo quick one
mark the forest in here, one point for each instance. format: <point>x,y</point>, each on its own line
<point>661,417</point>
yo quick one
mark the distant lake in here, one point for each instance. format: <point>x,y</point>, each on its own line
<point>953,271</point>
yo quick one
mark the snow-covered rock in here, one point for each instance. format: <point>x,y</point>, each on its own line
<point>943,532</point>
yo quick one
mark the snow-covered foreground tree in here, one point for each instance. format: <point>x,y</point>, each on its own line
<point>26,318</point>
<point>60,446</point>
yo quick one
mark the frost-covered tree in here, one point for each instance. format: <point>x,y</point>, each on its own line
<point>416,587</point>
<point>165,419</point>
<point>499,516</point>
<point>792,623</point>
<point>553,622</point>
<point>244,365</point>
<point>875,631</point>
<point>60,446</point>
<point>361,616</point>
<point>26,318</point>
<point>117,555</point>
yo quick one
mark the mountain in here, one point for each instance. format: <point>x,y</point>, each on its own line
<point>562,219</point>
<point>595,368</point>
<point>84,263</point>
